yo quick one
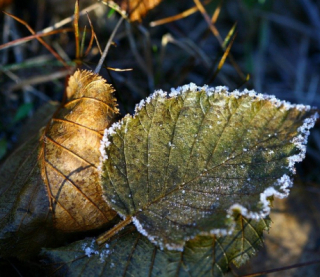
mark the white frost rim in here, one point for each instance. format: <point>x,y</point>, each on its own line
<point>284,182</point>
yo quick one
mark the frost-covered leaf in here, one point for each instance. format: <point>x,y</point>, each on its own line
<point>182,165</point>
<point>132,254</point>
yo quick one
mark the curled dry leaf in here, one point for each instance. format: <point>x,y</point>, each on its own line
<point>70,154</point>
<point>136,8</point>
<point>50,185</point>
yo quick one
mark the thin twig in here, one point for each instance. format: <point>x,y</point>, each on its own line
<point>26,87</point>
<point>35,36</point>
<point>105,52</point>
<point>93,35</point>
<point>40,79</point>
<point>69,19</point>
<point>217,35</point>
<point>281,269</point>
<point>179,16</point>
<point>216,13</point>
<point>39,38</point>
<point>76,28</point>
<point>208,20</point>
<point>223,58</point>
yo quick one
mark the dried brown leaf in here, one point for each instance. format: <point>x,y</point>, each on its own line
<point>136,8</point>
<point>70,154</point>
<point>50,185</point>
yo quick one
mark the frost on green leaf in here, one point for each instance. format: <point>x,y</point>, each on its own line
<point>132,254</point>
<point>183,164</point>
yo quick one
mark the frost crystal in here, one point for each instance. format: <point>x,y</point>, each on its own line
<point>300,141</point>
<point>222,232</point>
<point>158,93</point>
<point>225,90</point>
<point>284,183</point>
<point>153,239</point>
<point>141,105</point>
<point>175,92</point>
<point>89,250</point>
<point>139,227</point>
<point>104,254</point>
<point>105,141</point>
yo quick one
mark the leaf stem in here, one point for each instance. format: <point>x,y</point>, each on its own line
<point>107,235</point>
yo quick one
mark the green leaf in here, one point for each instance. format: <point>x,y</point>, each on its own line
<point>111,12</point>
<point>25,218</point>
<point>131,254</point>
<point>23,111</point>
<point>26,222</point>
<point>3,147</point>
<point>183,165</point>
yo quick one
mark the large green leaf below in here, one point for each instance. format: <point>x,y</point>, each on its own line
<point>132,254</point>
<point>182,165</point>
<point>26,222</point>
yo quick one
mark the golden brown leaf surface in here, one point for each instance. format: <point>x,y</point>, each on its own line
<point>70,154</point>
<point>136,8</point>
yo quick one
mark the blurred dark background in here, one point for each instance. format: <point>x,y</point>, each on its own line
<point>277,44</point>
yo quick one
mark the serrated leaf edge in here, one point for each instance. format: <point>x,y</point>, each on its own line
<point>284,182</point>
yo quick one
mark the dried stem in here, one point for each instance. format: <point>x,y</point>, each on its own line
<point>76,27</point>
<point>107,235</point>
<point>223,59</point>
<point>39,38</point>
